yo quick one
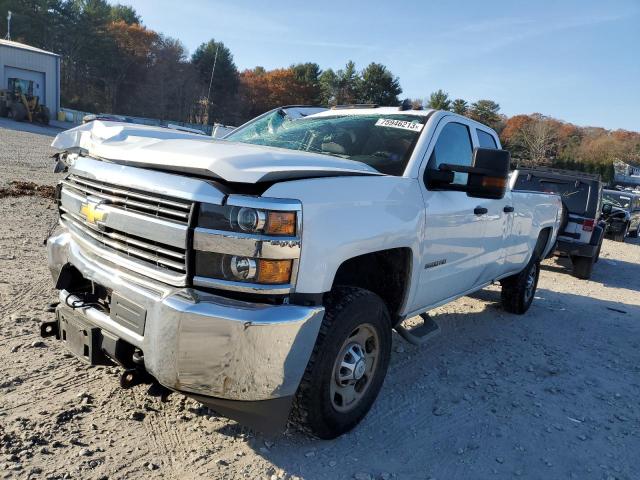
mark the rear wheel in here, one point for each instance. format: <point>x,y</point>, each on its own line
<point>582,267</point>
<point>3,109</point>
<point>45,115</point>
<point>347,366</point>
<point>634,233</point>
<point>619,237</point>
<point>18,112</point>
<point>518,290</point>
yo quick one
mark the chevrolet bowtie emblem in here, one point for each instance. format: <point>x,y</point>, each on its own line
<point>91,212</point>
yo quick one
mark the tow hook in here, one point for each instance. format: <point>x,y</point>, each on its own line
<point>49,329</point>
<point>421,334</point>
<point>137,375</point>
<point>132,377</point>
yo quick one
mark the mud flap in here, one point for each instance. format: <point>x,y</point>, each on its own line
<point>266,416</point>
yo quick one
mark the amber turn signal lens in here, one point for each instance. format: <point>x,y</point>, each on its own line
<point>274,271</point>
<point>494,182</point>
<point>281,223</point>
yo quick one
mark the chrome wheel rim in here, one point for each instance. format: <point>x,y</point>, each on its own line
<point>355,367</point>
<point>531,283</point>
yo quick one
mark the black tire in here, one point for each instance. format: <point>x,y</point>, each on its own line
<point>582,267</point>
<point>3,109</point>
<point>518,290</point>
<point>564,218</point>
<point>18,112</point>
<point>597,257</point>
<point>634,233</point>
<point>347,310</point>
<point>619,237</point>
<point>45,115</point>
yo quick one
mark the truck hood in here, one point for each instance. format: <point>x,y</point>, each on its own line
<point>166,149</point>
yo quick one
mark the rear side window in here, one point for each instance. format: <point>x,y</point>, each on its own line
<point>454,147</point>
<point>575,194</point>
<point>486,140</point>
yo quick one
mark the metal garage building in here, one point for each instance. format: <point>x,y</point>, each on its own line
<point>38,69</point>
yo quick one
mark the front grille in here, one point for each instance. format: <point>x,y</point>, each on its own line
<point>171,209</point>
<point>130,250</point>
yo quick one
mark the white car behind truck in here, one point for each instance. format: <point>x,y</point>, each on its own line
<point>263,274</point>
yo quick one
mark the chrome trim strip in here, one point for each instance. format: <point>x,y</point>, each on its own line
<point>265,203</point>
<point>112,199</point>
<point>92,247</point>
<point>152,181</point>
<point>241,286</point>
<point>140,225</point>
<point>186,205</point>
<point>73,223</point>
<point>245,244</point>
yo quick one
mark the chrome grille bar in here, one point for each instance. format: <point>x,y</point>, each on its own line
<point>131,200</point>
<point>150,253</point>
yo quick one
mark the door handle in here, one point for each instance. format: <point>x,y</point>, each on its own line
<point>480,210</point>
<point>508,209</point>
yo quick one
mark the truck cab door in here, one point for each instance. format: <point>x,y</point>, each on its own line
<point>454,252</point>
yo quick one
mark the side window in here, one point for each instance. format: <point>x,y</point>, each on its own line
<point>486,140</point>
<point>453,146</point>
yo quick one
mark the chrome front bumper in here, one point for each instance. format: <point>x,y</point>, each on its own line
<point>197,342</point>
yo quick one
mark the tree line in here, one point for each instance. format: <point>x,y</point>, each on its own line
<point>113,63</point>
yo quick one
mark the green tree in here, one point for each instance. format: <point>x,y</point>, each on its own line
<point>439,100</point>
<point>307,77</point>
<point>487,112</point>
<point>347,84</point>
<point>328,87</point>
<point>460,106</point>
<point>219,107</point>
<point>378,85</point>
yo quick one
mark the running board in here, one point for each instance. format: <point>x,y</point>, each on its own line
<point>421,334</point>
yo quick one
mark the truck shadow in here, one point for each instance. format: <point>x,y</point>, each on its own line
<point>489,377</point>
<point>607,272</point>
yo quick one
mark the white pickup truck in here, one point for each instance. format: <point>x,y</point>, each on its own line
<point>268,270</point>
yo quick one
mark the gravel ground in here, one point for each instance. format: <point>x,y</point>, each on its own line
<point>549,395</point>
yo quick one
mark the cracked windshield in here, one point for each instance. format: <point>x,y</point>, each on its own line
<point>384,142</point>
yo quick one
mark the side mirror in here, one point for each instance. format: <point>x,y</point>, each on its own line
<point>487,178</point>
<point>607,208</point>
<point>490,173</point>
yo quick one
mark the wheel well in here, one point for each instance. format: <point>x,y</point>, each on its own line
<point>543,242</point>
<point>385,273</point>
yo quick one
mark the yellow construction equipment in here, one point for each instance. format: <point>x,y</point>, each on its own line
<point>23,106</point>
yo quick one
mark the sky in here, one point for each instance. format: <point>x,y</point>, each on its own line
<point>578,61</point>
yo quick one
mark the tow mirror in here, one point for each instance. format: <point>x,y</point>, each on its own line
<point>487,178</point>
<point>607,208</point>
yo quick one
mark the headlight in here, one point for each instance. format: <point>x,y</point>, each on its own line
<point>235,268</point>
<point>249,244</point>
<point>248,220</point>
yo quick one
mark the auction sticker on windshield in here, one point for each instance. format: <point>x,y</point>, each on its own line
<point>404,124</point>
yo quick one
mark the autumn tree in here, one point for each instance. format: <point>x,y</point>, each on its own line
<point>439,100</point>
<point>129,58</point>
<point>539,136</point>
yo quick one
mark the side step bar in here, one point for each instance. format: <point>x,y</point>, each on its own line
<point>421,334</point>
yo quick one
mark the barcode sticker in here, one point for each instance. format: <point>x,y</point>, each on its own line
<point>404,124</point>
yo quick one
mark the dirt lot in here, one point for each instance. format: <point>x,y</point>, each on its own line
<point>553,394</point>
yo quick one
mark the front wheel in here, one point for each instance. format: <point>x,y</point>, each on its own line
<point>518,290</point>
<point>347,366</point>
